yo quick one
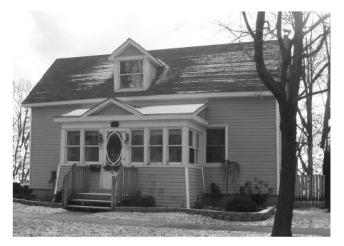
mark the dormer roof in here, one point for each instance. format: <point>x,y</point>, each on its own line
<point>130,42</point>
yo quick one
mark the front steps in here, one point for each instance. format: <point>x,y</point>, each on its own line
<point>90,202</point>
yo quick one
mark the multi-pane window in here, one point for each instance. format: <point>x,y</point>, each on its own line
<point>91,146</point>
<point>131,74</point>
<point>216,145</point>
<point>193,146</point>
<point>73,146</point>
<point>155,145</point>
<point>174,145</point>
<point>137,145</point>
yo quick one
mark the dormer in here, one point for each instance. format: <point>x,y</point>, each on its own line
<point>134,67</point>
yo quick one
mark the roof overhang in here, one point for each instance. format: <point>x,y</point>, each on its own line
<point>158,97</point>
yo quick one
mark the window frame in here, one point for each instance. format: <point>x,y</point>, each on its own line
<point>143,146</point>
<point>90,146</point>
<point>226,130</point>
<point>174,145</point>
<point>66,146</point>
<point>196,149</point>
<point>149,162</point>
<point>130,58</point>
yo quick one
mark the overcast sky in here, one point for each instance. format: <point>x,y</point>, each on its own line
<point>41,37</point>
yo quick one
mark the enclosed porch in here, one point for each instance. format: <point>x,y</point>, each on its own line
<point>159,154</point>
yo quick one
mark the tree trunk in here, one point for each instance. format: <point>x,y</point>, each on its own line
<point>327,174</point>
<point>285,200</point>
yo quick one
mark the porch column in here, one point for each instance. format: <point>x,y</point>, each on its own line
<point>185,162</point>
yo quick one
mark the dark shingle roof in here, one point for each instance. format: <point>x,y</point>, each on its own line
<point>201,69</point>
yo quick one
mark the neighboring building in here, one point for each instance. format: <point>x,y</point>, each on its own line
<point>175,114</point>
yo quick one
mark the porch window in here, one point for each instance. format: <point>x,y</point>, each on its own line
<point>174,145</point>
<point>155,145</point>
<point>131,74</point>
<point>216,145</point>
<point>137,145</point>
<point>91,146</point>
<point>193,146</point>
<point>73,146</point>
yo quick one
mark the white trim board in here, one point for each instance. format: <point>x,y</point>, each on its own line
<point>157,97</point>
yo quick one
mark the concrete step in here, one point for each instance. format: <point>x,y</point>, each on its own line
<point>92,196</point>
<point>89,200</point>
<point>80,207</point>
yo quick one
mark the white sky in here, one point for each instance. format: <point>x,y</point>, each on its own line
<point>41,37</point>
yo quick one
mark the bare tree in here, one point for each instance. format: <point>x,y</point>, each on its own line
<point>310,118</point>
<point>285,88</point>
<point>21,132</point>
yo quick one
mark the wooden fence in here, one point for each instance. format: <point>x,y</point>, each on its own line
<point>304,191</point>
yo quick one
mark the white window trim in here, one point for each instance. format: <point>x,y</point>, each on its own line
<point>174,163</point>
<point>143,146</point>
<point>196,148</point>
<point>91,146</point>
<point>66,146</point>
<point>117,72</point>
<point>214,126</point>
<point>156,163</point>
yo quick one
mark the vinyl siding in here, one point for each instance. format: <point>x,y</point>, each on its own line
<point>195,184</point>
<point>45,143</point>
<point>165,184</point>
<point>252,138</point>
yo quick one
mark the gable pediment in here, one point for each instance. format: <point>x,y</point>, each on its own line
<point>111,109</point>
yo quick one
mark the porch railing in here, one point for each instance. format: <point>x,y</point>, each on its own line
<point>73,182</point>
<point>123,185</point>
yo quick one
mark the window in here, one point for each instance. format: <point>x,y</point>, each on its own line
<point>73,146</point>
<point>193,146</point>
<point>216,145</point>
<point>137,145</point>
<point>174,145</point>
<point>155,145</point>
<point>91,146</point>
<point>131,74</point>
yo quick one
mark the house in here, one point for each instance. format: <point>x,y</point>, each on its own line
<point>174,114</point>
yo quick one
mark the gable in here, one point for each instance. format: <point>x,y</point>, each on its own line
<point>130,50</point>
<point>112,109</point>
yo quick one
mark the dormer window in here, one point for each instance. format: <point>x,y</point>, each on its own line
<point>134,67</point>
<point>131,74</point>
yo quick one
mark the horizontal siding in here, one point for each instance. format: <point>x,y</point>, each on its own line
<point>252,138</point>
<point>93,181</point>
<point>195,184</point>
<point>165,184</point>
<point>45,143</point>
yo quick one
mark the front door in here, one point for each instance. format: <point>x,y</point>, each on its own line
<point>115,154</point>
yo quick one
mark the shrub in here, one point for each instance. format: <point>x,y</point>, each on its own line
<point>257,190</point>
<point>241,203</point>
<point>22,192</point>
<point>215,191</point>
<point>58,196</point>
<point>138,201</point>
<point>198,203</point>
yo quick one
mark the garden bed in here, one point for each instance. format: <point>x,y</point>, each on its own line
<point>221,215</point>
<point>38,203</point>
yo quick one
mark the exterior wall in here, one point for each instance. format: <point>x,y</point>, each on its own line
<point>45,143</point>
<point>165,184</point>
<point>93,181</point>
<point>252,138</point>
<point>195,184</point>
